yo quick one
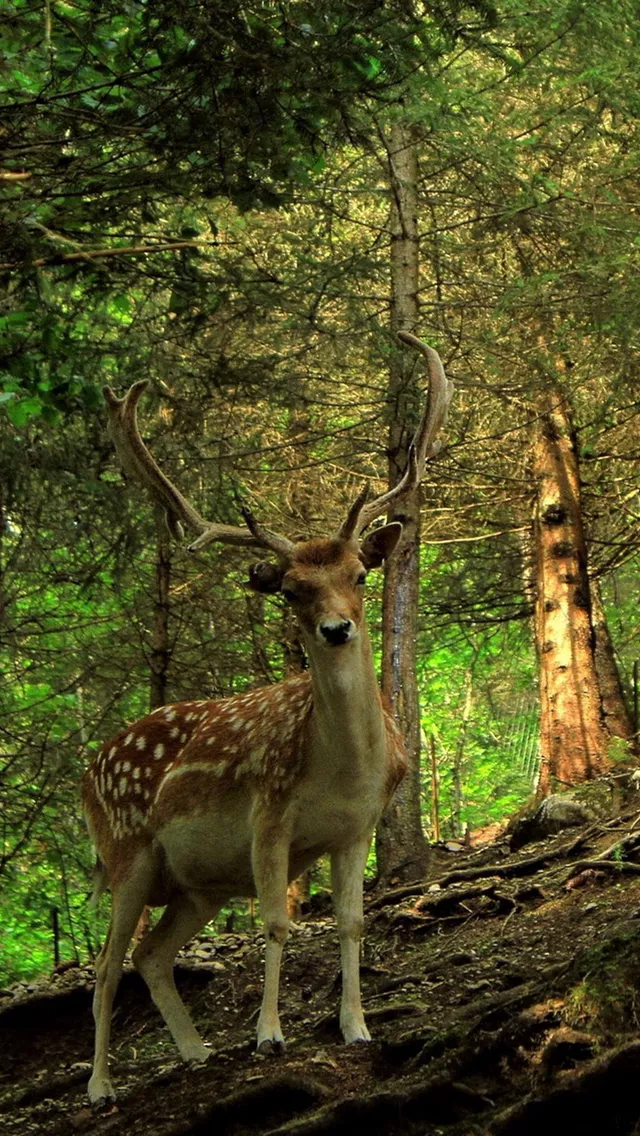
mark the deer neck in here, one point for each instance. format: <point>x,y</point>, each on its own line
<point>347,711</point>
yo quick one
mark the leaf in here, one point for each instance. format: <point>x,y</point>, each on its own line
<point>23,411</point>
<point>121,304</point>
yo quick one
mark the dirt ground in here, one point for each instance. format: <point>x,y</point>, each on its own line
<point>502,993</point>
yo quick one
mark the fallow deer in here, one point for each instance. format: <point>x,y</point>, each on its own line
<point>205,800</point>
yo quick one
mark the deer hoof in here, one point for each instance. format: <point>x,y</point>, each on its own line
<point>196,1053</point>
<point>271,1047</point>
<point>100,1092</point>
<point>355,1033</point>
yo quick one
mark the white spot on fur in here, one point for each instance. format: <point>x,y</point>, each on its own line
<point>141,742</point>
<point>128,740</point>
<point>158,751</point>
<point>174,732</point>
<point>112,752</point>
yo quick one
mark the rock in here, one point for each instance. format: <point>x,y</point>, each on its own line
<point>554,814</point>
<point>461,958</point>
<point>565,1048</point>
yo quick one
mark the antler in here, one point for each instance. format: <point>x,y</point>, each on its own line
<point>424,445</point>
<point>139,464</point>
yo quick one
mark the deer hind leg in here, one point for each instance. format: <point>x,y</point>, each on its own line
<point>128,901</point>
<point>347,874</point>
<point>186,914</point>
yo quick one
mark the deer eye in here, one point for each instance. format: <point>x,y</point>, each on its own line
<point>362,579</point>
<point>288,595</point>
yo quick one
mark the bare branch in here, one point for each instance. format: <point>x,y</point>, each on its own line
<point>99,254</point>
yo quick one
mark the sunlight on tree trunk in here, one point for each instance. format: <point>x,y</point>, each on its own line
<point>573,739</point>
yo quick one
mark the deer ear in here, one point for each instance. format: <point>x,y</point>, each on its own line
<point>379,544</point>
<point>265,577</point>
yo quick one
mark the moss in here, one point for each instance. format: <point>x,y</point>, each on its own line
<point>605,999</point>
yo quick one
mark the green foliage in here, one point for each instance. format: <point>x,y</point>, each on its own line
<point>481,714</point>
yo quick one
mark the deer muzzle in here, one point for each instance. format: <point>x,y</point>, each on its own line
<point>335,632</point>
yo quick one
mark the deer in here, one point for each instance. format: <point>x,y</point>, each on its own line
<point>206,800</point>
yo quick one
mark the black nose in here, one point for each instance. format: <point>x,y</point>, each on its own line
<point>336,633</point>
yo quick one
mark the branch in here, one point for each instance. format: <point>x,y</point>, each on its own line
<point>99,254</point>
<point>471,539</point>
<point>14,175</point>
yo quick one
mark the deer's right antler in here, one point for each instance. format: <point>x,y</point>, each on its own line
<point>139,464</point>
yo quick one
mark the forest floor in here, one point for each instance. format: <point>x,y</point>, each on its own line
<point>502,993</point>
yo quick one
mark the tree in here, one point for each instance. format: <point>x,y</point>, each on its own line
<point>617,718</point>
<point>573,737</point>
<point>400,844</point>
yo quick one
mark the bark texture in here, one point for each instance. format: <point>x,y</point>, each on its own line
<point>573,738</point>
<point>400,844</point>
<point>616,713</point>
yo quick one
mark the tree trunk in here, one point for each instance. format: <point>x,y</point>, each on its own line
<point>573,738</point>
<point>400,844</point>
<point>435,790</point>
<point>260,664</point>
<point>459,752</point>
<point>160,647</point>
<point>617,716</point>
<point>2,531</point>
<point>298,895</point>
<point>293,654</point>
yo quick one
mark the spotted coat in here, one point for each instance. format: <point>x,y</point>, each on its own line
<point>252,737</point>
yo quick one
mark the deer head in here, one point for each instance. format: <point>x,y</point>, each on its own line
<point>321,578</point>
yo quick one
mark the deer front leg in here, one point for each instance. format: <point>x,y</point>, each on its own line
<point>347,875</point>
<point>270,856</point>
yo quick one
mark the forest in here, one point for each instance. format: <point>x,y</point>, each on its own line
<point>243,204</point>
